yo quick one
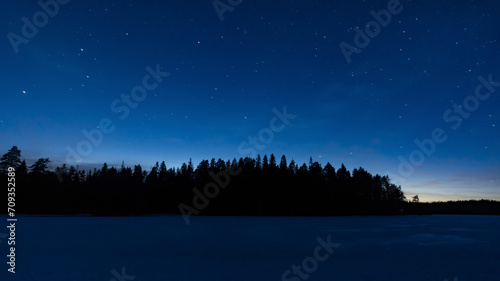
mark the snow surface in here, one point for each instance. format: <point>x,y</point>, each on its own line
<point>422,248</point>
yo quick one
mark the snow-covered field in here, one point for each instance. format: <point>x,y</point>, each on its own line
<point>410,248</point>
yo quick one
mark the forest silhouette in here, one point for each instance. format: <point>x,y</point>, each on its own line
<point>260,187</point>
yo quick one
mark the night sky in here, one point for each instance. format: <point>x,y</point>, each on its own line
<point>88,63</point>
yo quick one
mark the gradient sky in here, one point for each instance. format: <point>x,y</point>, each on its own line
<point>226,77</point>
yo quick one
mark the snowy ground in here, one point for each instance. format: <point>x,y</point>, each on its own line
<point>410,248</point>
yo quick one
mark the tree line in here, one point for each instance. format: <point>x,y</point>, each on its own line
<point>263,186</point>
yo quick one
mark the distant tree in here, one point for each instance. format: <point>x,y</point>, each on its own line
<point>82,176</point>
<point>220,165</point>
<point>258,162</point>
<point>112,171</point>
<point>292,167</point>
<point>249,163</point>
<point>10,159</point>
<point>62,172</point>
<point>22,170</point>
<point>162,174</point>
<point>202,170</point>
<point>314,168</point>
<point>378,192</point>
<point>73,173</point>
<point>190,168</point>
<point>163,167</point>
<point>125,172</point>
<point>328,170</point>
<point>415,199</point>
<point>272,161</point>
<point>138,175</point>
<point>343,174</point>
<point>283,166</point>
<point>40,166</point>
<point>303,169</point>
<point>104,169</point>
<point>395,193</point>
<point>184,168</point>
<point>329,173</point>
<point>265,163</point>
<point>153,175</point>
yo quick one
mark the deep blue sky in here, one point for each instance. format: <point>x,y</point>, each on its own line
<point>225,78</point>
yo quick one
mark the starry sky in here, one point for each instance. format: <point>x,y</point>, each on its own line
<point>402,102</point>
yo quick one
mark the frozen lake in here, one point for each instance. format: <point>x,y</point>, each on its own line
<point>410,248</point>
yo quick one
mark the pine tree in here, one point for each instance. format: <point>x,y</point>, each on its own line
<point>40,166</point>
<point>163,171</point>
<point>272,161</point>
<point>258,162</point>
<point>22,170</point>
<point>138,175</point>
<point>292,167</point>
<point>10,159</point>
<point>265,164</point>
<point>283,166</point>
